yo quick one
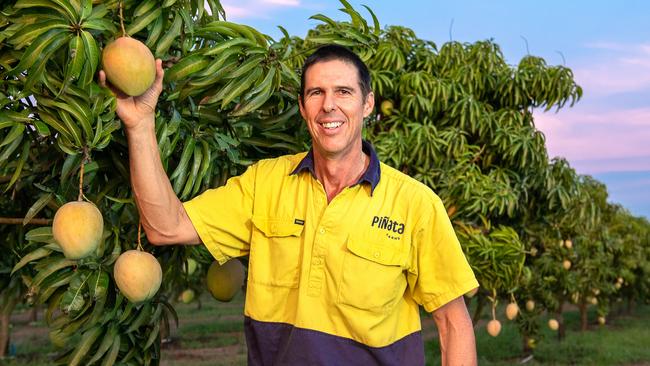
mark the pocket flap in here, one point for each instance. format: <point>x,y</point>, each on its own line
<point>388,254</point>
<point>272,226</point>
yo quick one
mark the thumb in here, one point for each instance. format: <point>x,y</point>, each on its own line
<point>160,75</point>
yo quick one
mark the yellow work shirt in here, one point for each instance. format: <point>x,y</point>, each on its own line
<point>342,278</point>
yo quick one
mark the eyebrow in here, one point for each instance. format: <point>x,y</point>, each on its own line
<point>338,87</point>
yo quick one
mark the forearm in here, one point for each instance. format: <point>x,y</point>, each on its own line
<point>456,333</point>
<point>161,212</point>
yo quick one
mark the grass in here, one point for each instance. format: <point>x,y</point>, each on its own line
<point>213,335</point>
<point>624,341</point>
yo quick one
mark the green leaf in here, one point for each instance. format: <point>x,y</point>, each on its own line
<point>246,66</point>
<point>153,335</point>
<point>32,256</point>
<point>40,235</point>
<point>62,7</point>
<point>70,127</point>
<point>142,21</point>
<point>261,94</point>
<point>76,59</point>
<point>81,112</point>
<point>88,338</point>
<point>73,300</point>
<point>98,284</point>
<point>172,34</point>
<point>41,128</point>
<point>36,208</point>
<point>71,13</point>
<point>111,356</point>
<point>51,267</point>
<point>142,318</point>
<point>225,46</point>
<point>37,48</point>
<point>103,25</point>
<point>186,67</point>
<point>155,31</point>
<point>19,168</point>
<point>377,27</point>
<point>70,162</point>
<point>92,52</point>
<point>55,123</point>
<point>106,343</point>
<point>52,284</point>
<point>179,175</point>
<point>145,7</point>
<point>28,33</point>
<point>86,9</point>
<point>14,133</point>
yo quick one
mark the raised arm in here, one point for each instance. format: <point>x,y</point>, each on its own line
<point>162,214</point>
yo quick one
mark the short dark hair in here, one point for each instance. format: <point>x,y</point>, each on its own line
<point>336,52</point>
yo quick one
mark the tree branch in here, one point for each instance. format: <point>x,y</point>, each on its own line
<point>19,221</point>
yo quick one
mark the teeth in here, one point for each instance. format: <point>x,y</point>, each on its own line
<point>332,124</point>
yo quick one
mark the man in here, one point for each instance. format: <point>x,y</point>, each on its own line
<point>342,248</point>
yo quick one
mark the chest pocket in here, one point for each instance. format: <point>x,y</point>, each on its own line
<point>373,275</point>
<point>276,252</point>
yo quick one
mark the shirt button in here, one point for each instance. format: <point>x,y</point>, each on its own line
<point>317,261</point>
<point>376,254</point>
<point>321,230</point>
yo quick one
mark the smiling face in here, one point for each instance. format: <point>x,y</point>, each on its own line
<point>334,107</point>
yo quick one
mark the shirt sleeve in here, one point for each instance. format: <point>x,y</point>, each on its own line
<point>439,271</point>
<point>222,216</point>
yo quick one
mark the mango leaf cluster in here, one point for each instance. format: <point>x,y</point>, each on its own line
<point>462,123</point>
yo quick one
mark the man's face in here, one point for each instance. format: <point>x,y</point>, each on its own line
<point>334,108</point>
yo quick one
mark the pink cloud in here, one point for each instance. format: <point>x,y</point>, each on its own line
<point>623,68</point>
<point>594,135</point>
<point>255,9</point>
<point>283,2</point>
<point>238,12</point>
<point>598,140</point>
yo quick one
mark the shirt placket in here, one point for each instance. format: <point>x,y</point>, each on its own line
<point>316,278</point>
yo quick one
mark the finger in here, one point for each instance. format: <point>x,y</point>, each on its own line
<point>102,78</point>
<point>159,69</point>
<point>160,75</point>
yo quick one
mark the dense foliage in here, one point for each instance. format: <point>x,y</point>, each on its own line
<point>456,117</point>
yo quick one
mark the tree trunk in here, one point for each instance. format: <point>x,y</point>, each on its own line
<point>528,350</point>
<point>33,314</point>
<point>5,321</point>
<point>8,300</point>
<point>479,309</point>
<point>630,306</point>
<point>561,332</point>
<point>584,321</point>
<point>4,334</point>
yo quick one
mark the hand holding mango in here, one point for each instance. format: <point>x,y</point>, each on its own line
<point>135,78</point>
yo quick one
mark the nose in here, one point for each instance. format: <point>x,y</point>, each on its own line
<point>329,104</point>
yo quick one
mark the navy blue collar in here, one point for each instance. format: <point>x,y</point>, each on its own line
<point>370,176</point>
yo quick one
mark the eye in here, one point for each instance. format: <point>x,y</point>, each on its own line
<point>314,93</point>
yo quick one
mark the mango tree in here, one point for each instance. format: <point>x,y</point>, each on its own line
<point>61,141</point>
<point>458,118</point>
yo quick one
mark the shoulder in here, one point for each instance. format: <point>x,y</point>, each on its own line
<point>410,195</point>
<point>398,182</point>
<point>281,165</point>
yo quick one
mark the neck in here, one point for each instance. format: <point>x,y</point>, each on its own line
<point>338,173</point>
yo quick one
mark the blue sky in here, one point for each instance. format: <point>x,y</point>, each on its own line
<point>605,43</point>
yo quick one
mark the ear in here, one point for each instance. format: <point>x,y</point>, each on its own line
<point>369,104</point>
<point>301,107</point>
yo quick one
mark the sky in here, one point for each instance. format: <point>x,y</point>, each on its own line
<point>606,44</point>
